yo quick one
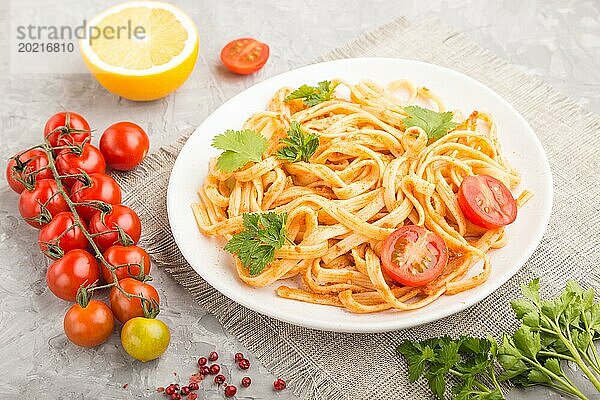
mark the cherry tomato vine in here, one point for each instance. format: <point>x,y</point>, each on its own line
<point>23,175</point>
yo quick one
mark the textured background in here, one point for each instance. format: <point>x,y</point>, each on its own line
<point>559,41</point>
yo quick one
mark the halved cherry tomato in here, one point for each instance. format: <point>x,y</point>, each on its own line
<point>65,275</point>
<point>99,187</point>
<point>486,201</point>
<point>72,161</point>
<point>71,240</point>
<point>29,162</point>
<point>89,326</point>
<point>121,255</point>
<point>45,192</point>
<point>244,56</point>
<point>124,145</point>
<point>414,256</point>
<point>104,224</point>
<point>125,308</point>
<point>75,122</point>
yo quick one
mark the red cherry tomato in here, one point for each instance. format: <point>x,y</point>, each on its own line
<point>413,256</point>
<point>29,162</point>
<point>100,187</point>
<point>121,255</point>
<point>125,308</point>
<point>65,275</point>
<point>75,122</point>
<point>45,192</point>
<point>89,326</point>
<point>486,202</point>
<point>124,145</point>
<point>73,161</point>
<point>71,240</point>
<point>106,224</point>
<point>245,56</point>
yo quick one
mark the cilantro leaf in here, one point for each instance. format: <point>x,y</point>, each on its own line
<point>300,146</point>
<point>240,147</point>
<point>255,246</point>
<point>313,95</point>
<point>434,124</point>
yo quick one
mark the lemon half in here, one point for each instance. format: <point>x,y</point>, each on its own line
<point>146,64</point>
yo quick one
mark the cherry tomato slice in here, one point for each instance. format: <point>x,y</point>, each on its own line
<point>244,56</point>
<point>486,202</point>
<point>414,256</point>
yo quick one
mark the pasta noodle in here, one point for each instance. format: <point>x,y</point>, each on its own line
<point>369,176</point>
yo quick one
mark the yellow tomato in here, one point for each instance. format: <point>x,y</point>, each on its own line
<point>145,339</point>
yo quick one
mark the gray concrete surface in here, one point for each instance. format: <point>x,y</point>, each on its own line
<point>558,41</point>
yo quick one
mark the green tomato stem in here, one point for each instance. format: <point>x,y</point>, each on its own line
<point>47,148</point>
<point>575,353</point>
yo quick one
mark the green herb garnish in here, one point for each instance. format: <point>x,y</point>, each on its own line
<point>434,124</point>
<point>240,148</point>
<point>255,246</point>
<point>467,359</point>
<point>313,95</point>
<point>563,328</point>
<point>300,146</point>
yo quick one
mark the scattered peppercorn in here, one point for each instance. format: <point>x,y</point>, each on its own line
<point>204,370</point>
<point>279,384</point>
<point>238,357</point>
<point>214,369</point>
<point>194,386</point>
<point>230,390</point>
<point>185,391</point>
<point>246,381</point>
<point>219,379</point>
<point>244,364</point>
<point>213,356</point>
<point>202,361</point>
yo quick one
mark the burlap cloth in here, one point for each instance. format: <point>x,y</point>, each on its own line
<point>324,365</point>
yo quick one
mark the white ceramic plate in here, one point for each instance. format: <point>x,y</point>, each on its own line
<point>458,91</point>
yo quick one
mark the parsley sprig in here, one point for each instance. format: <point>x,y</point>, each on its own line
<point>299,145</point>
<point>313,95</point>
<point>240,148</point>
<point>434,124</point>
<point>255,246</point>
<point>563,328</point>
<point>469,360</point>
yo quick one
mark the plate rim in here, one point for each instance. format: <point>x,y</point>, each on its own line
<point>385,326</point>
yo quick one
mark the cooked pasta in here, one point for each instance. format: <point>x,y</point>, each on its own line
<point>369,176</point>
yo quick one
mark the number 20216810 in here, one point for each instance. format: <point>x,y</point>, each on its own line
<point>26,47</point>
